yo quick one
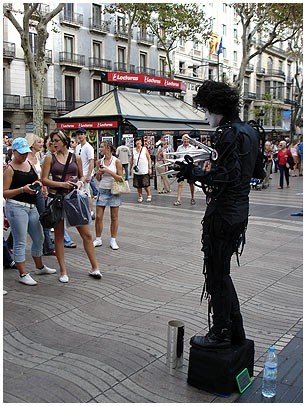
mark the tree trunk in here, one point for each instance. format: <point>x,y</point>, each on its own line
<point>38,106</point>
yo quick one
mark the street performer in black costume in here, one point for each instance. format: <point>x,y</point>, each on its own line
<point>226,183</point>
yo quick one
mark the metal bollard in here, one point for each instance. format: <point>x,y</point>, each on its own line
<point>175,347</point>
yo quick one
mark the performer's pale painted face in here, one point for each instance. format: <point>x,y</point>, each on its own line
<point>213,119</point>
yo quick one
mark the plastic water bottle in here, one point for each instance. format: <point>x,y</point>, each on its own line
<point>270,374</point>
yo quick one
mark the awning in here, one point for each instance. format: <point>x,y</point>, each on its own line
<point>151,125</point>
<point>203,126</point>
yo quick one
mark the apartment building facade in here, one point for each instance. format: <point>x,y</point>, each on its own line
<point>85,42</point>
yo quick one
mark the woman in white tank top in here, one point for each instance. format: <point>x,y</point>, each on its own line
<point>108,169</point>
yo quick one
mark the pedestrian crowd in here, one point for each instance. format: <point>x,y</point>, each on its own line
<point>33,168</point>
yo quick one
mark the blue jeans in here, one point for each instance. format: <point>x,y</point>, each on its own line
<point>283,170</point>
<point>67,239</point>
<point>24,220</point>
<point>126,169</point>
<point>93,186</point>
<point>47,246</point>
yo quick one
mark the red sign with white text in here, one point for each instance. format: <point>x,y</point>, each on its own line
<point>88,125</point>
<point>140,80</point>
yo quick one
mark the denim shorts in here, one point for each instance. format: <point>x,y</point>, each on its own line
<point>105,198</point>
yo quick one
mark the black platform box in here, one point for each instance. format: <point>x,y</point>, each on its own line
<point>215,370</point>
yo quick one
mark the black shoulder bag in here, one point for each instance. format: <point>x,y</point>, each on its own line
<point>53,212</point>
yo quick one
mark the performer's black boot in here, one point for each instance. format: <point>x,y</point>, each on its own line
<point>215,338</point>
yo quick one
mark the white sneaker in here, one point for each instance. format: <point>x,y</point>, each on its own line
<point>95,274</point>
<point>45,271</point>
<point>113,244</point>
<point>97,242</point>
<point>63,278</point>
<point>27,279</point>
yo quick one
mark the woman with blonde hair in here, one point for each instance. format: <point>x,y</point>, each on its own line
<point>54,165</point>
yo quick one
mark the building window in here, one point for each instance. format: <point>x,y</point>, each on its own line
<point>96,50</point>
<point>121,25</point>
<point>267,87</point>
<point>181,67</point>
<point>195,44</point>
<point>289,71</point>
<point>97,88</point>
<point>235,56</point>
<point>69,44</point>
<point>235,34</point>
<point>246,113</point>
<point>246,85</point>
<point>280,65</point>
<point>258,89</point>
<point>96,14</point>
<point>223,29</point>
<point>33,42</point>
<point>224,7</point>
<point>121,59</point>
<point>224,52</point>
<point>270,63</point>
<point>162,66</point>
<point>68,11</point>
<point>70,90</point>
<point>182,42</point>
<point>143,60</point>
<point>195,71</point>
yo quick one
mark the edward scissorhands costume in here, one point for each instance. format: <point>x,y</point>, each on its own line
<point>227,185</point>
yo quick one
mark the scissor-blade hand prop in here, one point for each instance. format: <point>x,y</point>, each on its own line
<point>184,168</point>
<point>212,152</point>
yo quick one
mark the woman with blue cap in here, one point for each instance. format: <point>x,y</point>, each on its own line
<point>20,187</point>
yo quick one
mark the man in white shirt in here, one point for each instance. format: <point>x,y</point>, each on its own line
<point>185,147</point>
<point>124,154</point>
<point>86,152</point>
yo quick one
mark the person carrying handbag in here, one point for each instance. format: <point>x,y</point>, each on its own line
<point>108,169</point>
<point>54,165</point>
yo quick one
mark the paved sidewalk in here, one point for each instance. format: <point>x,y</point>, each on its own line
<point>105,341</point>
<point>290,377</point>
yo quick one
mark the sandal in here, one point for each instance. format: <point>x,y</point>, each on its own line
<point>140,199</point>
<point>149,198</point>
<point>72,245</point>
<point>192,202</point>
<point>177,203</point>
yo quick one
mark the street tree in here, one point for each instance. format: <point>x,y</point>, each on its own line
<point>173,22</point>
<point>263,25</point>
<point>38,14</point>
<point>132,15</point>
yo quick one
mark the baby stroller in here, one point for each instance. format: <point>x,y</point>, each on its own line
<point>256,183</point>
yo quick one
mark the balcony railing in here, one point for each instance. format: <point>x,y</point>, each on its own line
<point>260,70</point>
<point>9,50</point>
<point>249,95</point>
<point>145,38</point>
<point>71,18</point>
<point>122,67</point>
<point>48,56</point>
<point>162,73</point>
<point>250,67</point>
<point>11,101</point>
<point>275,72</point>
<point>122,32</point>
<point>64,106</point>
<point>97,63</point>
<point>145,70</point>
<point>50,103</point>
<point>68,58</point>
<point>98,26</point>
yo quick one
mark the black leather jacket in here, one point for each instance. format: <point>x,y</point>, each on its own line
<point>227,184</point>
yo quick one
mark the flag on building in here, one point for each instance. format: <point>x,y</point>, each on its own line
<point>220,49</point>
<point>213,44</point>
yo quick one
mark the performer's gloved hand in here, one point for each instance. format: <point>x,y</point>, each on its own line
<point>185,169</point>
